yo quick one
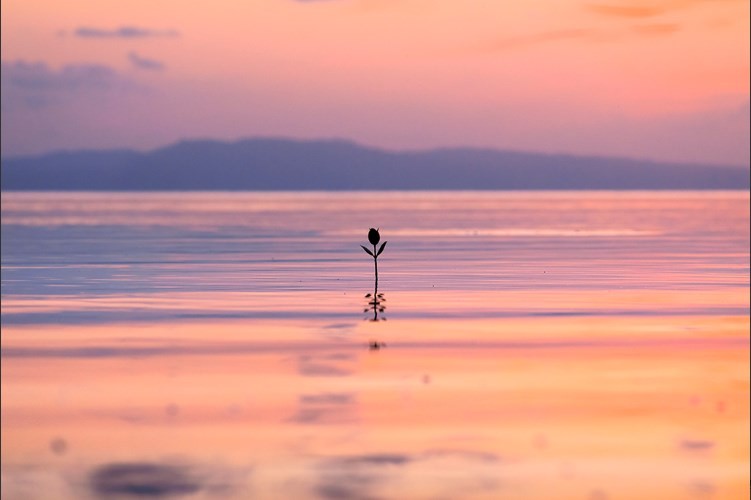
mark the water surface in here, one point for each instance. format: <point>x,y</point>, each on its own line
<point>215,345</point>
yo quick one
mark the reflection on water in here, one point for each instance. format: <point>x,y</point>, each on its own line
<point>211,345</point>
<point>376,305</point>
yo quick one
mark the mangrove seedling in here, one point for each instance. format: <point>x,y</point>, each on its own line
<point>374,237</point>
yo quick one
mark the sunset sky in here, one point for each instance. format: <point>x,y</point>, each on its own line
<point>659,79</point>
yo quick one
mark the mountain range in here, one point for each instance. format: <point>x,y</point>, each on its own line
<point>284,164</point>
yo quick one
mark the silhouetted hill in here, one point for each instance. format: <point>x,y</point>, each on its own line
<point>279,164</point>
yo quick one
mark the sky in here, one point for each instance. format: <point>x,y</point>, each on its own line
<point>656,79</point>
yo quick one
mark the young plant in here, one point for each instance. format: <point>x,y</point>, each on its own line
<point>375,302</point>
<point>374,237</point>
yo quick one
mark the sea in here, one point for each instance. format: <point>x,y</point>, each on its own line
<point>513,344</point>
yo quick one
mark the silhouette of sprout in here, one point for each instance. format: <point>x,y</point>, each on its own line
<point>374,237</point>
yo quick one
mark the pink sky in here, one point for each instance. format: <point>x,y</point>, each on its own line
<point>660,79</point>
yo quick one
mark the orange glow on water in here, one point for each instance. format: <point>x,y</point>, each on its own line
<point>601,352</point>
<point>573,414</point>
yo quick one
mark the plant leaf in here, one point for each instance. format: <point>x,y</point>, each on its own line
<point>369,252</point>
<point>380,250</point>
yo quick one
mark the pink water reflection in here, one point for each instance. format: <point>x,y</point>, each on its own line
<point>538,345</point>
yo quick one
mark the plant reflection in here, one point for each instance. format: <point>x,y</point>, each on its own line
<point>376,305</point>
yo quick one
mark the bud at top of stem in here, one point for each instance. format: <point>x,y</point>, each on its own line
<point>374,236</point>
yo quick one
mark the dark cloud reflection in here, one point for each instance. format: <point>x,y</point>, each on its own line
<point>143,479</point>
<point>696,445</point>
<point>357,477</point>
<point>322,366</point>
<point>327,398</point>
<point>374,475</point>
<point>326,408</point>
<point>167,480</point>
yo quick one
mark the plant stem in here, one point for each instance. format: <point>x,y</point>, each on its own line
<point>375,260</point>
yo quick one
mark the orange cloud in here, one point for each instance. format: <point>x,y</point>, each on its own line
<point>657,28</point>
<point>629,11</point>
<point>539,38</point>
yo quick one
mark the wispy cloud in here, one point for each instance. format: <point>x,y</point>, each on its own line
<point>145,63</point>
<point>576,34</point>
<point>39,76</point>
<point>515,42</point>
<point>657,28</point>
<point>627,11</point>
<point>645,9</point>
<point>123,32</point>
<point>34,85</point>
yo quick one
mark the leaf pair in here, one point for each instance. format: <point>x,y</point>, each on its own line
<point>380,250</point>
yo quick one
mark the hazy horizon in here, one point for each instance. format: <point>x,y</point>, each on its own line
<point>278,164</point>
<point>364,145</point>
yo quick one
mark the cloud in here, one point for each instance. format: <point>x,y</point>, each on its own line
<point>657,28</point>
<point>144,63</point>
<point>35,86</point>
<point>38,76</point>
<point>626,11</point>
<point>539,38</point>
<point>373,459</point>
<point>124,32</point>
<point>573,34</point>
<point>585,34</point>
<point>647,8</point>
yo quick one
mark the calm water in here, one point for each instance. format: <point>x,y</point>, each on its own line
<point>585,345</point>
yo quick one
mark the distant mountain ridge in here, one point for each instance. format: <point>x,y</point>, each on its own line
<point>283,164</point>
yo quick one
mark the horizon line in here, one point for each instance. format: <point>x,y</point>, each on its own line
<point>353,142</point>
